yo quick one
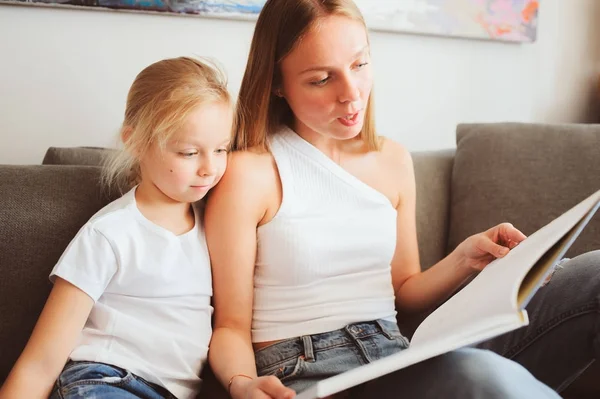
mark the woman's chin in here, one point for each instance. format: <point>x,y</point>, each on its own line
<point>346,132</point>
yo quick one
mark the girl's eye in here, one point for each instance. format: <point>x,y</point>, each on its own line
<point>221,150</point>
<point>320,82</point>
<point>188,154</point>
<point>361,65</point>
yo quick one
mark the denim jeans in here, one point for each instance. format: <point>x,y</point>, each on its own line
<point>103,381</point>
<point>466,373</point>
<point>563,337</point>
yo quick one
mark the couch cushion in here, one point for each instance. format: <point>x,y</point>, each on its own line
<point>433,170</point>
<point>43,207</point>
<point>92,156</point>
<point>526,174</point>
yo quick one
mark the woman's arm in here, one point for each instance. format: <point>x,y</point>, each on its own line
<point>234,210</point>
<point>51,342</point>
<point>416,290</point>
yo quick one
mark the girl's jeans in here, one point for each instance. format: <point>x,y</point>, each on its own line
<point>104,381</point>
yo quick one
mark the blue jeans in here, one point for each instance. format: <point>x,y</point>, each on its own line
<point>466,373</point>
<point>99,381</point>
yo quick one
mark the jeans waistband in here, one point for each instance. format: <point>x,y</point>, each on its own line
<point>307,345</point>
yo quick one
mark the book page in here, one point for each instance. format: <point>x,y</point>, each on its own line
<point>502,287</point>
<point>539,271</point>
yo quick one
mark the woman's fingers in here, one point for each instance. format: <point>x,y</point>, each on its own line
<point>512,234</point>
<point>487,245</point>
<point>506,234</point>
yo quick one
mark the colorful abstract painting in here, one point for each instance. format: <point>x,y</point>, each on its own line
<point>507,20</point>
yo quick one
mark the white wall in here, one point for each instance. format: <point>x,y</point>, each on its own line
<point>64,74</point>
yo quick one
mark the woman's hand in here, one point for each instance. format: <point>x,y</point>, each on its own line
<point>268,387</point>
<point>477,251</point>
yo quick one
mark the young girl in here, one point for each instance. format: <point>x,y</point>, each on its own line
<point>130,310</point>
<point>312,234</point>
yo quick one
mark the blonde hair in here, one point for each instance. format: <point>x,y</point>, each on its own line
<point>158,103</point>
<point>280,26</point>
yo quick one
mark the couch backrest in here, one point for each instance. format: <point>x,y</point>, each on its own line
<point>433,172</point>
<point>43,207</point>
<point>91,156</point>
<point>526,174</point>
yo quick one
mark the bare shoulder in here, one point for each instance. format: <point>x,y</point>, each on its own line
<point>250,165</point>
<point>248,182</point>
<point>395,155</point>
<point>397,161</point>
<point>247,170</point>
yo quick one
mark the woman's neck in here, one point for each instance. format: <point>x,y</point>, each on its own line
<point>334,148</point>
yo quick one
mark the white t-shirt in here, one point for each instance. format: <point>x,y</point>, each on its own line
<point>152,292</point>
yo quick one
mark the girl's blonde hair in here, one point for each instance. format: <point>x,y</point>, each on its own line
<point>158,104</point>
<point>280,26</point>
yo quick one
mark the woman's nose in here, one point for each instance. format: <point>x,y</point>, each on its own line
<point>349,91</point>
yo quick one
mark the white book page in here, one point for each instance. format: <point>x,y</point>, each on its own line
<point>495,290</point>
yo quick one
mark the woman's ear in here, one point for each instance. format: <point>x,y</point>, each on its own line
<point>277,91</point>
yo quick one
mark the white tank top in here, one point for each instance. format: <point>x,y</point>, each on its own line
<point>324,260</point>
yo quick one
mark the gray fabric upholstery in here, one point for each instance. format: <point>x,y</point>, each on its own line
<point>433,170</point>
<point>43,207</point>
<point>92,156</point>
<point>526,174</point>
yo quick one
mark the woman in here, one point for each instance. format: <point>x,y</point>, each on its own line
<point>312,229</point>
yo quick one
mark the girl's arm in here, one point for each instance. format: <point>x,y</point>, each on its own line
<point>233,212</point>
<point>51,342</point>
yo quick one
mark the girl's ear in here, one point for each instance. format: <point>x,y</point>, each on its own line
<point>126,133</point>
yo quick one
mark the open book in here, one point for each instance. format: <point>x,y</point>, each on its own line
<point>490,305</point>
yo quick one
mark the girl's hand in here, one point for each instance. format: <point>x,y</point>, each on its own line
<point>269,387</point>
<point>477,251</point>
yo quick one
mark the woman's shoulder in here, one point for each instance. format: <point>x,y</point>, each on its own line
<point>251,157</point>
<point>249,174</point>
<point>395,155</point>
<point>397,166</point>
<point>249,165</point>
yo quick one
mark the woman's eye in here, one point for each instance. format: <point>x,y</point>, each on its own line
<point>221,150</point>
<point>320,82</point>
<point>361,65</point>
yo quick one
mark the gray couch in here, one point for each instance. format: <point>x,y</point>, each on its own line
<point>523,173</point>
